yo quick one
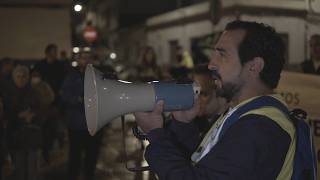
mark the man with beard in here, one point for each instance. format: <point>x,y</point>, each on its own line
<point>246,62</point>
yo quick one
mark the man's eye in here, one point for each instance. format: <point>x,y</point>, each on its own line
<point>221,52</point>
<point>211,52</point>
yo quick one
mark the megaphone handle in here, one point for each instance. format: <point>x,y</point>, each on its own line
<point>138,134</point>
<point>132,169</point>
<point>138,169</point>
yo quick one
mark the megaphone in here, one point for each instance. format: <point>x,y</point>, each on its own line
<point>107,99</point>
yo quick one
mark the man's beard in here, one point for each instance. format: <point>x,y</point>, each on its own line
<point>228,91</point>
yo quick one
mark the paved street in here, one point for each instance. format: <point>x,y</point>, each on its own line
<point>110,165</point>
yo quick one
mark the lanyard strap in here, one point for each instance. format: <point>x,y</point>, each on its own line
<point>226,121</point>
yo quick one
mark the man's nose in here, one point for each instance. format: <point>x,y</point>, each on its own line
<point>212,64</point>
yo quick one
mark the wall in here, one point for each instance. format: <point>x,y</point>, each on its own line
<point>25,32</point>
<point>294,27</point>
<point>296,30</point>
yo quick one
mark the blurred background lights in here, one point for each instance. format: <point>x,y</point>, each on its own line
<point>74,64</point>
<point>76,50</point>
<point>86,49</point>
<point>113,55</point>
<point>118,68</point>
<point>77,7</point>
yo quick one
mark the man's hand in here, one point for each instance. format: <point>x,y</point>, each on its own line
<point>148,121</point>
<point>188,115</point>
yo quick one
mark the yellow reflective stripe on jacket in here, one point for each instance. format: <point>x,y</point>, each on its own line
<point>282,120</point>
<point>205,141</point>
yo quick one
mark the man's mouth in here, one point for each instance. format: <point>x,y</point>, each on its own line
<point>215,75</point>
<point>217,79</point>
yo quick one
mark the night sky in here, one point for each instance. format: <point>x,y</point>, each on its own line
<point>136,11</point>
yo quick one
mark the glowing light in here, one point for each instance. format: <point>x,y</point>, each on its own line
<point>74,64</point>
<point>87,49</point>
<point>118,68</point>
<point>127,82</point>
<point>76,50</point>
<point>113,55</point>
<point>77,7</point>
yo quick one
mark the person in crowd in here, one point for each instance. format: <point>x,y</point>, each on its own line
<point>183,58</point>
<point>80,141</point>
<point>148,69</point>
<point>50,69</point>
<point>312,65</point>
<point>66,61</point>
<point>246,63</point>
<point>3,141</point>
<point>45,97</point>
<point>53,72</point>
<point>23,127</point>
<point>64,56</point>
<point>211,106</point>
<point>42,89</point>
<point>182,64</point>
<point>6,67</point>
<point>6,166</point>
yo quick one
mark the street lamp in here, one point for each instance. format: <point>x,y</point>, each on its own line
<point>76,50</point>
<point>77,7</point>
<point>113,55</point>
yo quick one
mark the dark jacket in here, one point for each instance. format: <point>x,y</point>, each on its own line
<point>52,73</point>
<point>72,96</point>
<point>3,141</point>
<point>21,134</point>
<point>253,148</point>
<point>308,67</point>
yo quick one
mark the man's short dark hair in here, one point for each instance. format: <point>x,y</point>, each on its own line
<point>261,41</point>
<point>50,47</point>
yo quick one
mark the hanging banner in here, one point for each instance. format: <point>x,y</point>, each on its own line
<point>303,91</point>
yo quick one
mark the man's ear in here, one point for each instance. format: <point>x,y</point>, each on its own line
<point>256,65</point>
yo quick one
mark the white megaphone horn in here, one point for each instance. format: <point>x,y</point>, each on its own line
<point>107,99</point>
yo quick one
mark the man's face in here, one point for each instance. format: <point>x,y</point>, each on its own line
<point>226,62</point>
